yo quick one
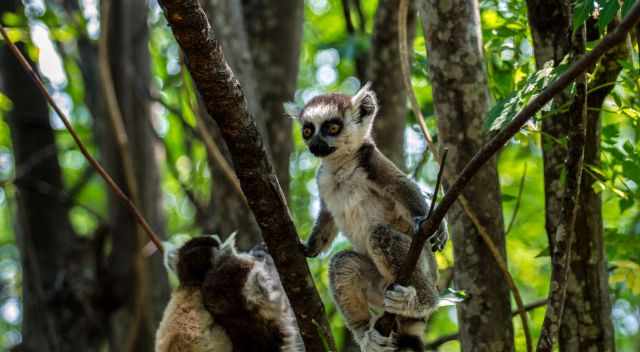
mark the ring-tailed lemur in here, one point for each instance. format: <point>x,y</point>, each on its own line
<point>378,208</point>
<point>227,301</point>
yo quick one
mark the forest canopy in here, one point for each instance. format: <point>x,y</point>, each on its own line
<point>78,273</point>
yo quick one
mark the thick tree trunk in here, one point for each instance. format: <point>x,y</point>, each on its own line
<point>138,285</point>
<point>550,23</point>
<point>386,77</point>
<point>274,30</point>
<point>53,315</point>
<point>460,94</point>
<point>586,323</point>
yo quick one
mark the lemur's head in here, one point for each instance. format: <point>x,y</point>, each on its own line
<point>193,259</point>
<point>336,124</point>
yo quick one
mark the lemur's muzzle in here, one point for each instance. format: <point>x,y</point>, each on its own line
<point>320,148</point>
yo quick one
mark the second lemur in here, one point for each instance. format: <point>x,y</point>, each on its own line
<point>378,208</point>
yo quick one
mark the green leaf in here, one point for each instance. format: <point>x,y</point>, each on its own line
<point>507,197</point>
<point>505,110</point>
<point>582,10</point>
<point>625,203</point>
<point>628,273</point>
<point>608,12</point>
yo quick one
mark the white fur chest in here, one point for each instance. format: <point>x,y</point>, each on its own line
<point>355,202</point>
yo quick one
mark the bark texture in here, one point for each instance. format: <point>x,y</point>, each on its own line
<point>228,212</point>
<point>138,285</point>
<point>385,74</point>
<point>565,231</point>
<point>550,23</point>
<point>262,42</point>
<point>274,30</point>
<point>586,323</point>
<point>226,103</point>
<point>461,97</point>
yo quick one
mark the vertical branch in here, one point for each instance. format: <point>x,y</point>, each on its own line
<point>561,254</point>
<point>482,230</point>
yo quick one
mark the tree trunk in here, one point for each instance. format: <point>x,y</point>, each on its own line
<point>54,317</point>
<point>261,43</point>
<point>274,31</point>
<point>385,75</point>
<point>139,285</point>
<point>461,96</point>
<point>586,323</point>
<point>550,23</point>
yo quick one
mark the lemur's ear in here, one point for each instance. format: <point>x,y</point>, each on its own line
<point>365,103</point>
<point>292,110</point>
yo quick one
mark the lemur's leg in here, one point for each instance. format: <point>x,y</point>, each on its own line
<point>388,250</point>
<point>352,277</point>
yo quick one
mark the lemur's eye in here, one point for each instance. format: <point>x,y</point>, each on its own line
<point>307,131</point>
<point>332,128</point>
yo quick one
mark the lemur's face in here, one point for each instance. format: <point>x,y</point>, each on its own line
<point>323,123</point>
<point>337,124</point>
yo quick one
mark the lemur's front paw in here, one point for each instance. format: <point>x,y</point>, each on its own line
<point>403,301</point>
<point>438,240</point>
<point>373,341</point>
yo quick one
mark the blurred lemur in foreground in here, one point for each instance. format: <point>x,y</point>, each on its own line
<point>378,208</point>
<point>226,302</point>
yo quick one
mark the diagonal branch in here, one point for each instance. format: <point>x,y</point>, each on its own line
<point>499,140</point>
<point>226,103</point>
<point>482,230</point>
<point>83,149</point>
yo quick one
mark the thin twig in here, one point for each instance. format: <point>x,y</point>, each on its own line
<point>421,163</point>
<point>386,323</point>
<point>113,107</point>
<point>518,200</point>
<point>443,160</point>
<point>217,156</point>
<point>171,160</point>
<point>500,138</point>
<point>210,145</point>
<point>403,8</point>
<point>83,149</point>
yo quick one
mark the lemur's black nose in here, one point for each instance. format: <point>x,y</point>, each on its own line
<point>320,148</point>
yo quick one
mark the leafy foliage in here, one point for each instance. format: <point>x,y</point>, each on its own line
<point>506,109</point>
<point>328,63</point>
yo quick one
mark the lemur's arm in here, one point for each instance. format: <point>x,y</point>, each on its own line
<point>323,232</point>
<point>395,183</point>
